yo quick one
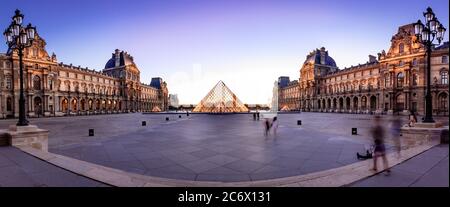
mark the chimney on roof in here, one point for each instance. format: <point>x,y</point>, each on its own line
<point>117,58</point>
<point>372,59</point>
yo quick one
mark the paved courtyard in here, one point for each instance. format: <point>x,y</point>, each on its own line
<point>428,169</point>
<point>18,169</point>
<point>210,147</point>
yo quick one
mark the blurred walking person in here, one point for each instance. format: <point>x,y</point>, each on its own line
<point>380,149</point>
<point>275,125</point>
<point>266,127</point>
<point>396,133</point>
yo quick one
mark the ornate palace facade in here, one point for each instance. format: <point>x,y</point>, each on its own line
<point>57,89</point>
<point>393,82</point>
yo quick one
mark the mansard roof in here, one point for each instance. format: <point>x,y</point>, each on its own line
<point>443,46</point>
<point>119,58</point>
<point>320,56</point>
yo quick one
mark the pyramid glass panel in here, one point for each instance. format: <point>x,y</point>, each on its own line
<point>220,100</point>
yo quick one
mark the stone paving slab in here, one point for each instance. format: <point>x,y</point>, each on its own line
<point>19,169</point>
<point>235,142</point>
<point>428,169</point>
<point>341,176</point>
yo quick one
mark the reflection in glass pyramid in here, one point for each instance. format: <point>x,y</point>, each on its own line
<point>220,100</point>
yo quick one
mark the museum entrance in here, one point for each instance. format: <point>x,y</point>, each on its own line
<point>38,106</point>
<point>373,103</point>
<point>400,103</point>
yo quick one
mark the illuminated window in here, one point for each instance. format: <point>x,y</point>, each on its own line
<point>8,83</point>
<point>444,77</point>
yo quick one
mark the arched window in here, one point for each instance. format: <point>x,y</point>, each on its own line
<point>443,102</point>
<point>37,83</point>
<point>444,77</point>
<point>90,104</point>
<point>363,102</point>
<point>50,84</point>
<point>401,48</point>
<point>400,79</point>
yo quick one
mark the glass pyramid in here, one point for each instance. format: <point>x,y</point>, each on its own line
<point>220,100</point>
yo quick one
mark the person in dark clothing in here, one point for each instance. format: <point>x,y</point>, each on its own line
<point>266,127</point>
<point>380,149</point>
<point>274,125</point>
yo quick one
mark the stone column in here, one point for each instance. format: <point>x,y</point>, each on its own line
<point>78,105</point>
<point>359,104</point>
<point>407,97</point>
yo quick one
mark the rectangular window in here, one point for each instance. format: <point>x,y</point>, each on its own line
<point>445,59</point>
<point>444,77</point>
<point>8,83</point>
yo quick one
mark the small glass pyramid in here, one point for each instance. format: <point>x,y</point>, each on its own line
<point>220,100</point>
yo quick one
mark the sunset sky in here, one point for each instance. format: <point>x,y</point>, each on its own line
<point>194,44</point>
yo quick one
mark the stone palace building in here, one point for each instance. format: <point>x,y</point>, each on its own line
<point>57,89</point>
<point>393,82</point>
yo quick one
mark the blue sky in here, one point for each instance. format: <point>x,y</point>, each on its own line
<point>194,44</point>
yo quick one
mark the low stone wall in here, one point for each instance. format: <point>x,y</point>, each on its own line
<point>421,134</point>
<point>27,136</point>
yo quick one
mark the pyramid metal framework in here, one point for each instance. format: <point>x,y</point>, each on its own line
<point>220,100</point>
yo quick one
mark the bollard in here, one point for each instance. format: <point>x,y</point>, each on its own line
<point>187,113</point>
<point>179,116</point>
<point>299,122</point>
<point>444,136</point>
<point>91,132</point>
<point>167,118</point>
<point>144,123</point>
<point>254,116</point>
<point>354,131</point>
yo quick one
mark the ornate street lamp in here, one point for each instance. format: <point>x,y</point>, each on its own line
<point>19,37</point>
<point>426,34</point>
